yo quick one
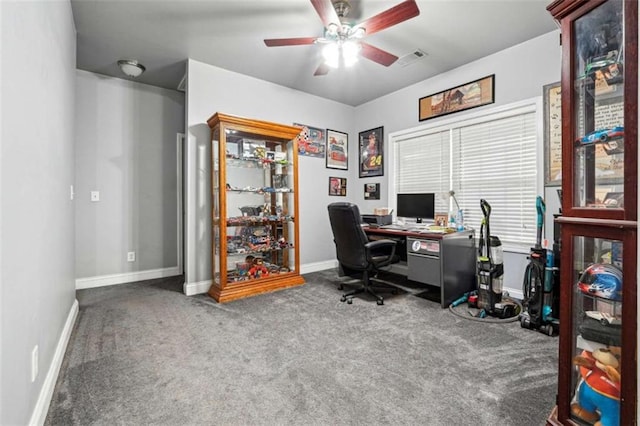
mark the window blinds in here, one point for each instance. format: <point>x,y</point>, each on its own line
<point>422,164</point>
<point>493,157</point>
<point>496,160</point>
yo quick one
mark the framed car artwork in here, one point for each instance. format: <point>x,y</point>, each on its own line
<point>337,150</point>
<point>311,142</point>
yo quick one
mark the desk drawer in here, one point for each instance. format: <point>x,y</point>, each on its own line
<point>423,261</point>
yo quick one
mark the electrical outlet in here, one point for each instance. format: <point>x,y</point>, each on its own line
<point>131,256</point>
<point>34,363</point>
<point>95,196</point>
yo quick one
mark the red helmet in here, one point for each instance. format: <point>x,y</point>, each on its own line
<point>602,280</point>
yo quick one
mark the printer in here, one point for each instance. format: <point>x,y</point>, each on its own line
<point>376,219</point>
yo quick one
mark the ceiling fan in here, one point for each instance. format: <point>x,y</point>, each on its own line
<point>343,39</point>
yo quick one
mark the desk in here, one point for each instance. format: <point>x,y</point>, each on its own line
<point>447,261</point>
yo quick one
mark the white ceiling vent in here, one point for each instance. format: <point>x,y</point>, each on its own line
<point>411,58</point>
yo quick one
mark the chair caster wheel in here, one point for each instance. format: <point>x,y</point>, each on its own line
<point>349,301</point>
<point>343,299</point>
<point>380,302</point>
<point>340,287</point>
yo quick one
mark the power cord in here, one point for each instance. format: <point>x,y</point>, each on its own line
<point>456,311</point>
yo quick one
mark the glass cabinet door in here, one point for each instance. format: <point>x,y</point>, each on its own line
<point>259,207</point>
<point>597,327</point>
<point>599,138</point>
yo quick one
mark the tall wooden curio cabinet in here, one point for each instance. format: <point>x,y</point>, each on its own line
<point>254,207</point>
<point>598,332</point>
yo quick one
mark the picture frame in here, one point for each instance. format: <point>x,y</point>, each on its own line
<point>311,141</point>
<point>371,152</point>
<point>337,150</point>
<point>441,219</point>
<point>552,107</point>
<point>371,191</point>
<point>465,96</point>
<point>337,186</point>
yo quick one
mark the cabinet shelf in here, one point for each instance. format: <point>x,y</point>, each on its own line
<point>254,203</point>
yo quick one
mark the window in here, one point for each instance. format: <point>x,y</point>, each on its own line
<point>493,156</point>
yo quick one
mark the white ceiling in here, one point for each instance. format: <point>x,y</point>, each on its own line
<point>162,34</point>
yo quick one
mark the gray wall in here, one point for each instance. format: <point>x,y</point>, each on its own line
<point>126,150</point>
<point>210,90</point>
<point>36,216</point>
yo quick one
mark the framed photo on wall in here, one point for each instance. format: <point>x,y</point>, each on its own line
<point>552,134</point>
<point>371,191</point>
<point>338,186</point>
<point>311,141</point>
<point>337,150</point>
<point>469,95</point>
<point>371,152</point>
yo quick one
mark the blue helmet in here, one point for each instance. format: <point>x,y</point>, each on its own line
<point>602,280</point>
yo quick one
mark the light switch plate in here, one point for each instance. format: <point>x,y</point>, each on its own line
<point>95,196</point>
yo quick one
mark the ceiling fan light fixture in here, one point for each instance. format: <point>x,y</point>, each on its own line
<point>350,50</point>
<point>131,67</point>
<point>332,30</point>
<point>331,53</point>
<point>358,32</point>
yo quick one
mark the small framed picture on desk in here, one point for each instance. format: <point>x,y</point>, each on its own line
<point>440,219</point>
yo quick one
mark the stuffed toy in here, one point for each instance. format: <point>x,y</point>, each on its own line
<point>258,269</point>
<point>598,392</point>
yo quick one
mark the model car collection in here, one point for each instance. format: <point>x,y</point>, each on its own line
<point>604,318</point>
<point>607,137</point>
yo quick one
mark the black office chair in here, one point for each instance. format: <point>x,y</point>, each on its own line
<point>358,257</point>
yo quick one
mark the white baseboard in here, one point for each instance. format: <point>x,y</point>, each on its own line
<point>191,289</point>
<point>39,414</point>
<point>318,266</point>
<point>129,277</point>
<point>513,292</point>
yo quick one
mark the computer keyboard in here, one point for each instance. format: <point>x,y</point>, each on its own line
<point>396,227</point>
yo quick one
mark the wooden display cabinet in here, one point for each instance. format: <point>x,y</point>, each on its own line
<point>254,207</point>
<point>598,298</point>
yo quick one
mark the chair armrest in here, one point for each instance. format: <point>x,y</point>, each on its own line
<point>379,244</point>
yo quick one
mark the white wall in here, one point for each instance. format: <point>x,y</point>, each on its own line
<point>36,223</point>
<point>126,149</point>
<point>520,73</point>
<point>210,90</point>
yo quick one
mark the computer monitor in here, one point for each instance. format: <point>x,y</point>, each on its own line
<point>419,206</point>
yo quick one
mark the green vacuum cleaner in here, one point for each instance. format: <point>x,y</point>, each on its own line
<point>490,271</point>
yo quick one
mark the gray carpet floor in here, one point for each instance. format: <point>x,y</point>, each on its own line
<point>145,354</point>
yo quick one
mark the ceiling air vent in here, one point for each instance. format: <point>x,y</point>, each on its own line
<point>411,58</point>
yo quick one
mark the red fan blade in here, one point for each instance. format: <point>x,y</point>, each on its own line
<point>272,42</point>
<point>326,11</point>
<point>406,10</point>
<point>323,69</point>
<point>377,55</point>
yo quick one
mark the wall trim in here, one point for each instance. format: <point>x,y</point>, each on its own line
<point>39,414</point>
<point>318,266</point>
<point>200,287</point>
<point>129,277</point>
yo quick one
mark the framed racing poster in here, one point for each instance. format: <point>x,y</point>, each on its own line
<point>371,152</point>
<point>311,141</point>
<point>337,150</point>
